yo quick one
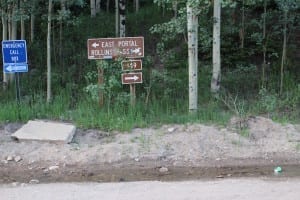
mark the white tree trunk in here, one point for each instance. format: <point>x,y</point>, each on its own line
<point>32,21</point>
<point>216,75</point>
<point>98,6</point>
<point>117,17</point>
<point>192,28</point>
<point>242,31</point>
<point>49,52</point>
<point>137,5</point>
<point>107,5</point>
<point>93,8</point>
<point>283,57</point>
<point>12,34</point>
<point>63,9</point>
<point>175,8</point>
<point>122,12</point>
<point>4,37</point>
<point>264,44</point>
<point>22,29</point>
<point>14,24</point>
<point>22,22</point>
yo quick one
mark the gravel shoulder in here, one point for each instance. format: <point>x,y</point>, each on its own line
<point>150,153</point>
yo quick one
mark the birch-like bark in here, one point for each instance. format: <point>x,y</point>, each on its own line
<point>216,75</point>
<point>22,21</point>
<point>4,37</point>
<point>63,9</point>
<point>175,8</point>
<point>192,28</point>
<point>93,8</point>
<point>242,31</point>
<point>117,18</point>
<point>122,12</point>
<point>14,23</point>
<point>137,5</point>
<point>98,6</point>
<point>264,44</point>
<point>32,22</point>
<point>107,5</point>
<point>283,57</point>
<point>12,34</point>
<point>49,52</point>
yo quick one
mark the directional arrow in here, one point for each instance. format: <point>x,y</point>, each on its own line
<point>136,51</point>
<point>18,67</point>
<point>132,78</point>
<point>110,48</point>
<point>95,45</point>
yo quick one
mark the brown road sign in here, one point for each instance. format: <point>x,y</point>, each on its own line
<point>130,78</point>
<point>131,65</point>
<point>108,48</point>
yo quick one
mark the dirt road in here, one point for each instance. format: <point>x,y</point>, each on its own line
<point>168,152</point>
<point>229,189</point>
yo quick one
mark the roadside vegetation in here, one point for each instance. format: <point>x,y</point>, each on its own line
<point>249,87</point>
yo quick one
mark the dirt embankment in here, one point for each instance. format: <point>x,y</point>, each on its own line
<point>166,153</point>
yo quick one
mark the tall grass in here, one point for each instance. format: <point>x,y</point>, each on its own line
<point>117,115</point>
<point>88,114</point>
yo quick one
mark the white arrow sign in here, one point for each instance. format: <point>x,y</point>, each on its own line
<point>95,45</point>
<point>132,78</point>
<point>136,51</point>
<point>11,68</point>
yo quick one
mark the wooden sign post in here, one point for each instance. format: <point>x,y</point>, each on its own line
<point>110,48</point>
<point>132,77</point>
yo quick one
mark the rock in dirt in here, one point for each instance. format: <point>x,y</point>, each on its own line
<point>34,181</point>
<point>16,184</point>
<point>137,159</point>
<point>17,159</point>
<point>4,161</point>
<point>171,129</point>
<point>163,170</point>
<point>10,158</point>
<point>44,131</point>
<point>52,168</point>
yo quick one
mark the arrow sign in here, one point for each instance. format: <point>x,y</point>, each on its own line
<point>109,48</point>
<point>130,78</point>
<point>95,45</point>
<point>18,67</point>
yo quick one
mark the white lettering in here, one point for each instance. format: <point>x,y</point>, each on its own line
<point>107,44</point>
<point>13,52</point>
<point>101,52</point>
<point>127,43</point>
<point>14,58</point>
<point>14,45</point>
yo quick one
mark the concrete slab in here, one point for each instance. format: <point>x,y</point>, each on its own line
<point>46,131</point>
